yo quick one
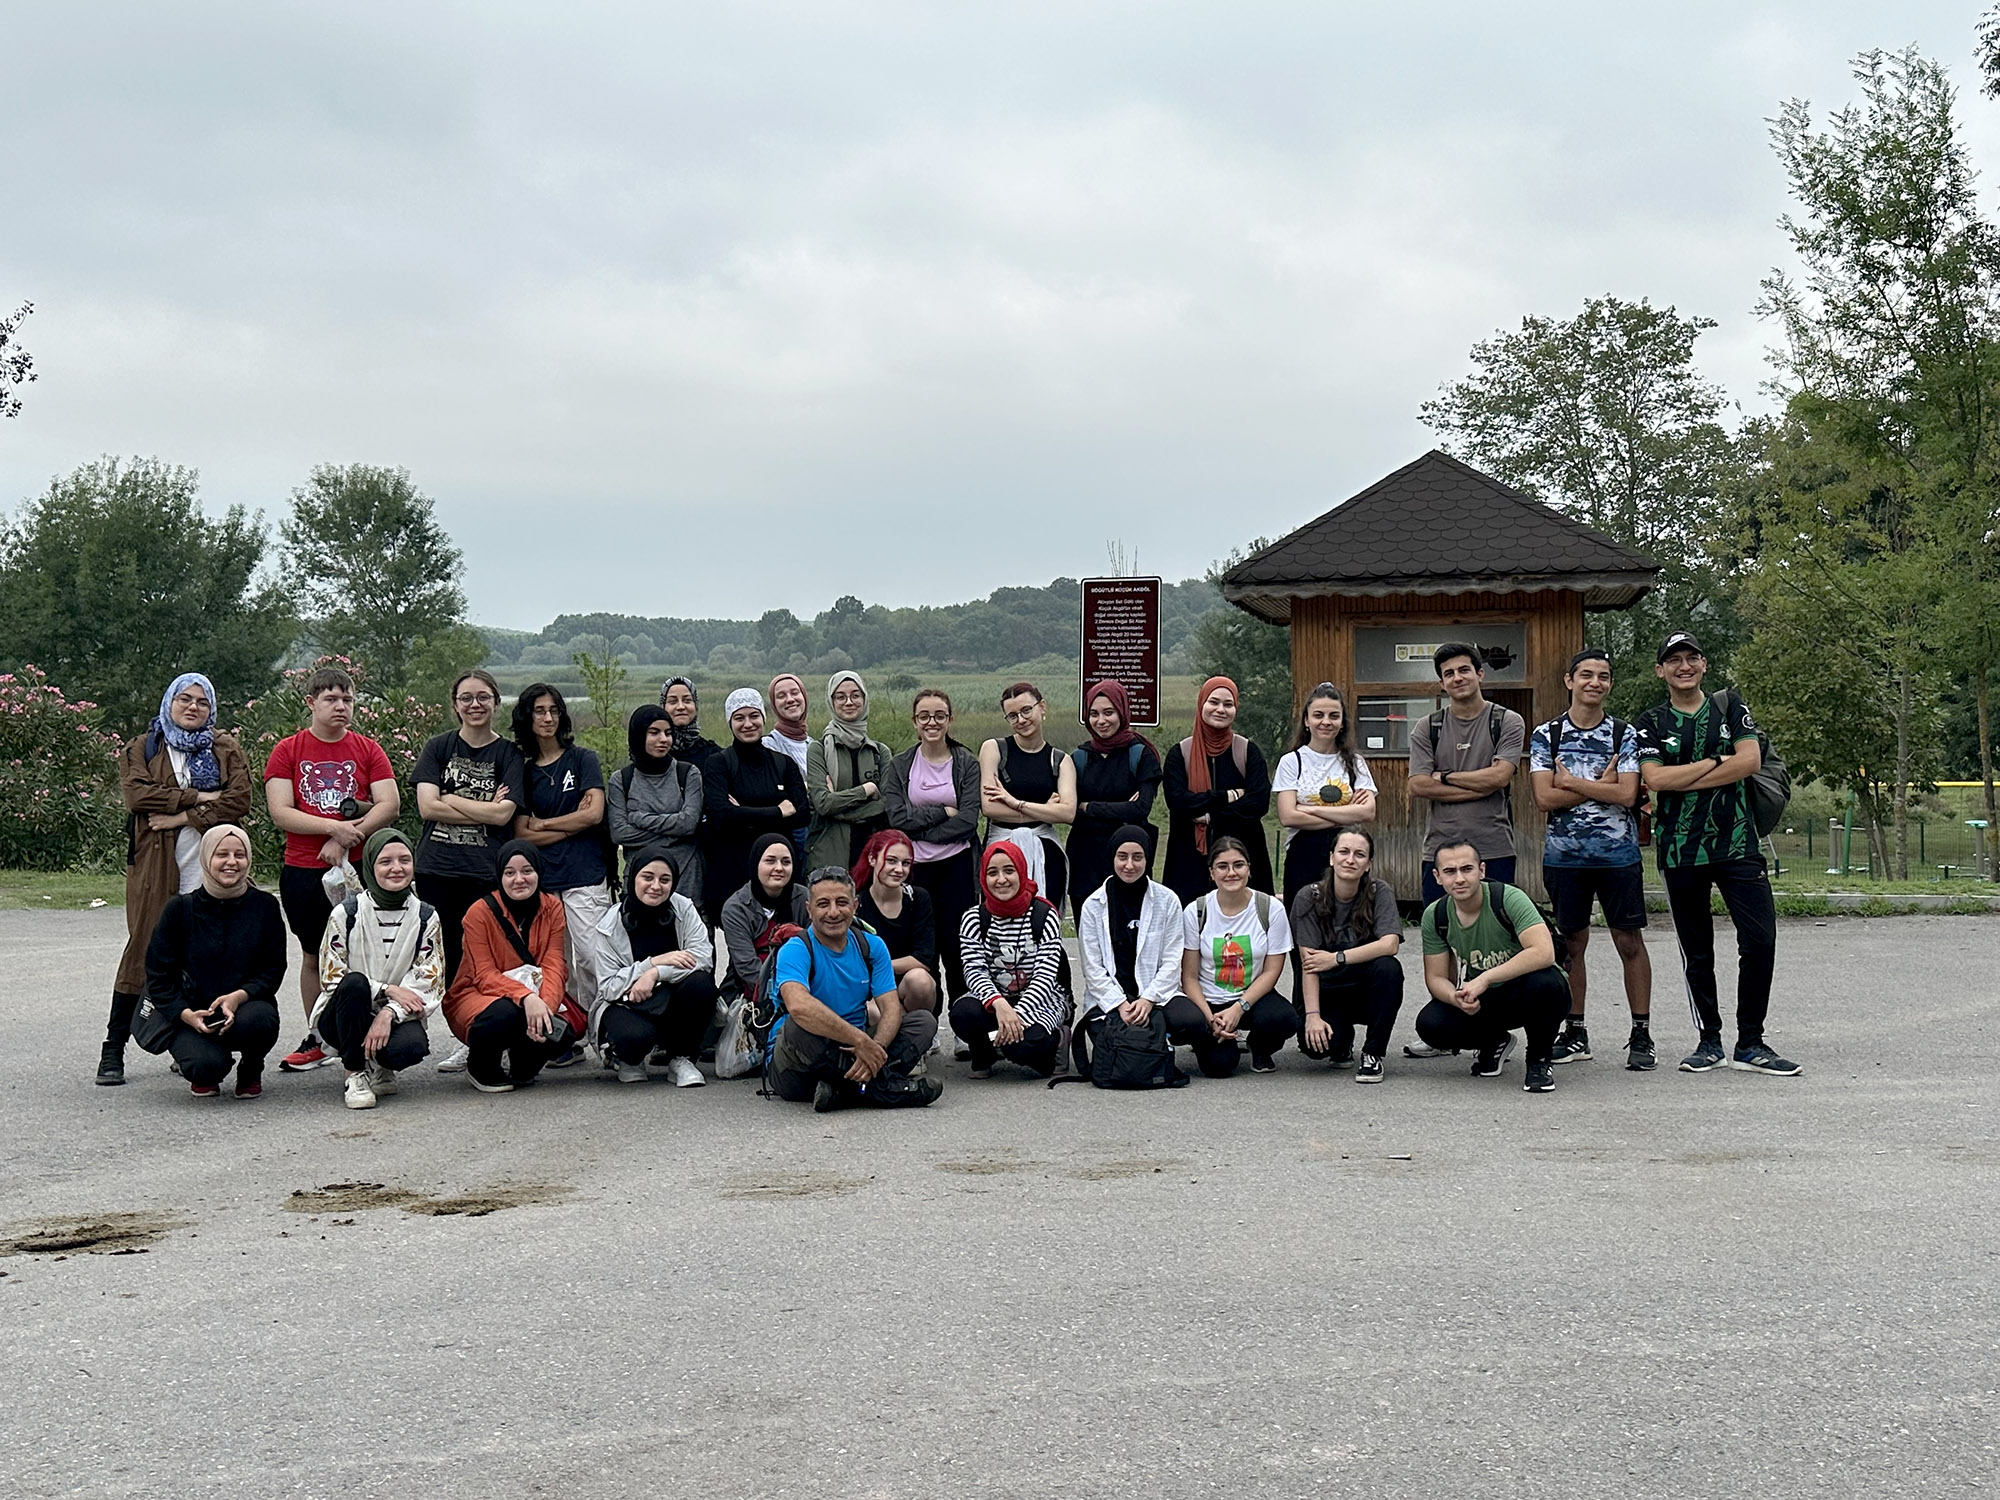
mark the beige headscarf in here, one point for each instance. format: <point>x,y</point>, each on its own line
<point>210,842</point>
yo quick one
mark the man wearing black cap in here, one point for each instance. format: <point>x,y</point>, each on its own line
<point>1695,753</point>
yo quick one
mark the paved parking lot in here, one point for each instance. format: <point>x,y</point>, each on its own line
<point>1639,1285</point>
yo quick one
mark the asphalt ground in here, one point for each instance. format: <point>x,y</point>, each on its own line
<point>1271,1285</point>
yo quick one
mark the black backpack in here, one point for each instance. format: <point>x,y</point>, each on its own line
<point>1769,788</point>
<point>1496,891</point>
<point>1496,721</point>
<point>1124,1056</point>
<point>625,776</point>
<point>1642,809</point>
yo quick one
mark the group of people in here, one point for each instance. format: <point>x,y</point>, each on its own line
<point>549,913</point>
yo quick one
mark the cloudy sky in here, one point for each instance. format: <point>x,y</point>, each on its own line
<point>697,310</point>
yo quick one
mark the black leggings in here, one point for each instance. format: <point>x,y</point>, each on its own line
<point>1367,994</point>
<point>629,1034</point>
<point>205,1060</point>
<point>1746,892</point>
<point>1535,1003</point>
<point>950,883</point>
<point>502,1028</point>
<point>453,896</point>
<point>344,1023</point>
<point>972,1022</point>
<point>1271,1021</point>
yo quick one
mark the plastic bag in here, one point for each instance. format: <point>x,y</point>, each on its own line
<point>737,1052</point>
<point>340,881</point>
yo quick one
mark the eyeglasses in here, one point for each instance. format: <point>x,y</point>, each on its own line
<point>190,700</point>
<point>473,700</point>
<point>1015,716</point>
<point>933,718</point>
<point>850,697</point>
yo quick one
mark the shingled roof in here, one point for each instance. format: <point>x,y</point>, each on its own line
<point>1438,526</point>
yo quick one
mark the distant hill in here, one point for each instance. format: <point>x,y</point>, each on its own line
<point>1009,626</point>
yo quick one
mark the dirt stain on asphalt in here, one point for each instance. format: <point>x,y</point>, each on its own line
<point>986,1167</point>
<point>1107,1171</point>
<point>767,1185</point>
<point>103,1234</point>
<point>349,1197</point>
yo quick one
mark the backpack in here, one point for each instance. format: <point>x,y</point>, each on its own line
<point>1134,753</point>
<point>1496,721</point>
<point>1642,808</point>
<point>1769,788</point>
<point>764,1006</point>
<point>1496,903</point>
<point>1260,900</point>
<point>1124,1056</point>
<point>1055,763</point>
<point>625,791</point>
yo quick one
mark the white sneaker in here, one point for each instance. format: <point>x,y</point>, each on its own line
<point>631,1072</point>
<point>454,1060</point>
<point>382,1080</point>
<point>685,1074</point>
<point>359,1094</point>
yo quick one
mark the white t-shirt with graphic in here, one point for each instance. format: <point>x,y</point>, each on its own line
<point>1319,780</point>
<point>1234,948</point>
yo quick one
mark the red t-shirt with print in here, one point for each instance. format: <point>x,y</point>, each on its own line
<point>323,774</point>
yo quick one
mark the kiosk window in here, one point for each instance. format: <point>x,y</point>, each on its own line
<point>1385,723</point>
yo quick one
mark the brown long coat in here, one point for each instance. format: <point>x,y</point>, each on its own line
<point>152,879</point>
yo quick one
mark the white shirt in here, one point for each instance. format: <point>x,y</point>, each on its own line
<point>1232,949</point>
<point>1319,780</point>
<point>187,841</point>
<point>784,745</point>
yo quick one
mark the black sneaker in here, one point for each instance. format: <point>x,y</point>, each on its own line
<point>1705,1058</point>
<point>1263,1062</point>
<point>826,1097</point>
<point>1757,1058</point>
<point>1540,1079</point>
<point>111,1066</point>
<point>1639,1054</point>
<point>1369,1069</point>
<point>569,1059</point>
<point>1492,1059</point>
<point>1572,1046</point>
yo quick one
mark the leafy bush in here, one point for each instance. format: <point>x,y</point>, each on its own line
<point>59,802</point>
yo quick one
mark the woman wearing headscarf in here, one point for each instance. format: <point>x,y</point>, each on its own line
<point>656,801</point>
<point>179,779</point>
<point>771,898</point>
<point>844,771</point>
<point>1016,1003</point>
<point>1217,787</point>
<point>381,972</point>
<point>789,734</point>
<point>900,914</point>
<point>1130,933</point>
<point>215,961</point>
<point>507,1001</point>
<point>1117,775</point>
<point>683,706</point>
<point>748,791</point>
<point>656,975</point>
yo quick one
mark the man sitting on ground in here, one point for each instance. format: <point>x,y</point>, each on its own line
<point>1508,978</point>
<point>827,978</point>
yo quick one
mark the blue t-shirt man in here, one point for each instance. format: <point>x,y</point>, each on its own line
<point>843,982</point>
<point>1591,835</point>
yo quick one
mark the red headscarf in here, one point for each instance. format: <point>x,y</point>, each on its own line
<point>864,867</point>
<point>1022,899</point>
<point>1120,700</point>
<point>1208,742</point>
<point>792,729</point>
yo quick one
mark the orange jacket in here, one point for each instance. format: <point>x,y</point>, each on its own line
<point>488,955</point>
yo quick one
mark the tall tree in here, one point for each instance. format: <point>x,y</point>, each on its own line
<point>1604,416</point>
<point>378,576</point>
<point>115,581</point>
<point>1889,353</point>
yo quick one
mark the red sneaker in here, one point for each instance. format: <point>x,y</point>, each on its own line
<point>204,1090</point>
<point>250,1088</point>
<point>309,1055</point>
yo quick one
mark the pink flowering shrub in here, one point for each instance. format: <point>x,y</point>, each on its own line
<point>59,802</point>
<point>399,724</point>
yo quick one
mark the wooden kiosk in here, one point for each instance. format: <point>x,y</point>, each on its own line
<point>1436,551</point>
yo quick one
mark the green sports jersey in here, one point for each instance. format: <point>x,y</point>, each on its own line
<point>1486,944</point>
<point>1709,826</point>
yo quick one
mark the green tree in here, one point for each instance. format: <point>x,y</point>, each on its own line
<point>1257,657</point>
<point>378,576</point>
<point>1604,417</point>
<point>17,365</point>
<point>115,581</point>
<point>1889,355</point>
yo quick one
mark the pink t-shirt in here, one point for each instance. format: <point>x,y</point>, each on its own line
<point>936,786</point>
<point>324,773</point>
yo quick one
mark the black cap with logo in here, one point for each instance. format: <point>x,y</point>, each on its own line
<point>1680,640</point>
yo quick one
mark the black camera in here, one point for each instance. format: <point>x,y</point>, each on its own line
<point>353,809</point>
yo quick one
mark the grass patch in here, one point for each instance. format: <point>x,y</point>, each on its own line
<point>1819,880</point>
<point>65,890</point>
<point>1794,906</point>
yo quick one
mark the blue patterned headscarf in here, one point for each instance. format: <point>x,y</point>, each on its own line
<point>198,745</point>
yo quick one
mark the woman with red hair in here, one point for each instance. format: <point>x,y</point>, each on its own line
<point>1017,1001</point>
<point>1217,787</point>
<point>900,914</point>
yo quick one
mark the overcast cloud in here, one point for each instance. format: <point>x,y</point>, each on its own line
<point>710,309</point>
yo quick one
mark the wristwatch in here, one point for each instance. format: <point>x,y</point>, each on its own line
<point>1444,778</point>
<point>1340,958</point>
